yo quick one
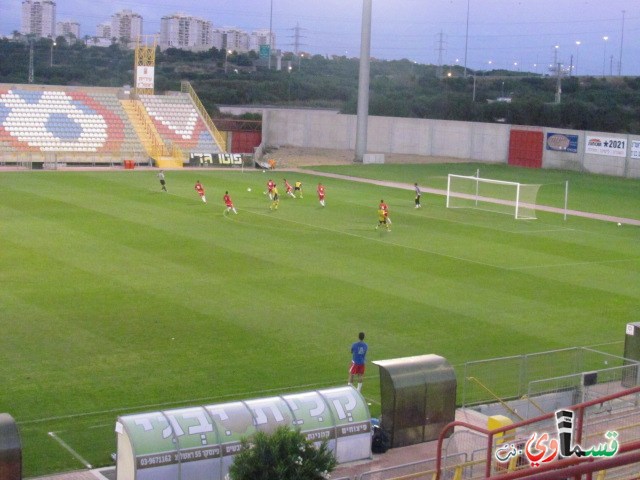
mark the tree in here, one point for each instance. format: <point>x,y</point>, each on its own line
<point>284,455</point>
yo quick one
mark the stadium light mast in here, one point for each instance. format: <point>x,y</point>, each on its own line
<point>363,83</point>
<point>466,41</point>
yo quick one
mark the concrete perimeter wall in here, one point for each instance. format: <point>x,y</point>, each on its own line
<point>619,166</point>
<point>479,142</point>
<point>326,129</point>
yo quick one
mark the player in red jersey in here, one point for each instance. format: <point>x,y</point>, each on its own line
<point>229,204</point>
<point>200,189</point>
<point>320,191</point>
<point>288,188</point>
<point>270,186</point>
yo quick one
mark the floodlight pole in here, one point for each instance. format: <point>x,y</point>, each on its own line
<point>621,44</point>
<point>466,40</point>
<point>363,83</point>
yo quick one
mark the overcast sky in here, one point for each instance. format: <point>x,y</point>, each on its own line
<point>513,34</point>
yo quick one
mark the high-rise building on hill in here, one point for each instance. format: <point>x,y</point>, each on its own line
<point>39,18</point>
<point>68,29</point>
<point>126,27</point>
<point>186,32</point>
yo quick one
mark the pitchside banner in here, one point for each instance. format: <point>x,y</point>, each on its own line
<point>219,159</point>
<point>560,142</point>
<point>610,146</point>
<point>635,148</point>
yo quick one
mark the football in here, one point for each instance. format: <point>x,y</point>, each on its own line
<point>249,189</point>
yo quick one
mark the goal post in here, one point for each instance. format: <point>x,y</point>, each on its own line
<point>511,198</point>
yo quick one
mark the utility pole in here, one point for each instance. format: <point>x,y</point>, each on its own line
<point>31,60</point>
<point>558,82</point>
<point>270,35</point>
<point>571,65</point>
<point>440,51</point>
<point>557,67</point>
<point>621,43</point>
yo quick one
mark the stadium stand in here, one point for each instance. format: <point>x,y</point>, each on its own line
<point>80,124</point>
<point>46,125</point>
<point>178,122</point>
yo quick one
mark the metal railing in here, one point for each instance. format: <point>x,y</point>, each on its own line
<point>619,412</point>
<point>512,377</point>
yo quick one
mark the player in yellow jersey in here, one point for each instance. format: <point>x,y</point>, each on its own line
<point>297,188</point>
<point>382,219</point>
<point>275,201</point>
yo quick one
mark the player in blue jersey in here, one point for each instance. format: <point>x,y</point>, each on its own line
<point>358,359</point>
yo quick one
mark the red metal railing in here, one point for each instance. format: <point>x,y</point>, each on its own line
<point>629,452</point>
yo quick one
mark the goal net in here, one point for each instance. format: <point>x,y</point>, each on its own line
<point>511,198</point>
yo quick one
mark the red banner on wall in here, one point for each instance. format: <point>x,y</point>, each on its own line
<point>525,148</point>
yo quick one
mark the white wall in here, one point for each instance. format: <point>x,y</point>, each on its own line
<point>328,129</point>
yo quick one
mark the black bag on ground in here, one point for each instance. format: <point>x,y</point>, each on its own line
<point>380,441</point>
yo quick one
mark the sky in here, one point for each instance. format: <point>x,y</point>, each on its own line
<point>519,35</point>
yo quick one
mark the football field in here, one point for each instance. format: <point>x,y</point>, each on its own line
<point>118,298</point>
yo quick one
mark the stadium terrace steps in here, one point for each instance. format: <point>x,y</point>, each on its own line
<point>64,121</point>
<point>179,123</point>
<point>145,129</point>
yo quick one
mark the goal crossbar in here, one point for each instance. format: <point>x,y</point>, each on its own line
<point>500,196</point>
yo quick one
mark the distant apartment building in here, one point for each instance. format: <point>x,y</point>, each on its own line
<point>261,37</point>
<point>39,18</point>
<point>236,40</point>
<point>103,30</point>
<point>102,37</point>
<point>126,27</point>
<point>186,32</point>
<point>218,38</point>
<point>69,29</point>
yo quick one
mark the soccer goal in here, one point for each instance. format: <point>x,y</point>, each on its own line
<point>511,198</point>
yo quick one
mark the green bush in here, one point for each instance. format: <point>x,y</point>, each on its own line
<point>284,455</point>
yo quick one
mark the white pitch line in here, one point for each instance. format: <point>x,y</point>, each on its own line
<point>575,264</point>
<point>529,232</point>
<point>75,454</point>
<point>182,402</point>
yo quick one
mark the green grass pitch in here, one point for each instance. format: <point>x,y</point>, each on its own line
<point>118,298</point>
